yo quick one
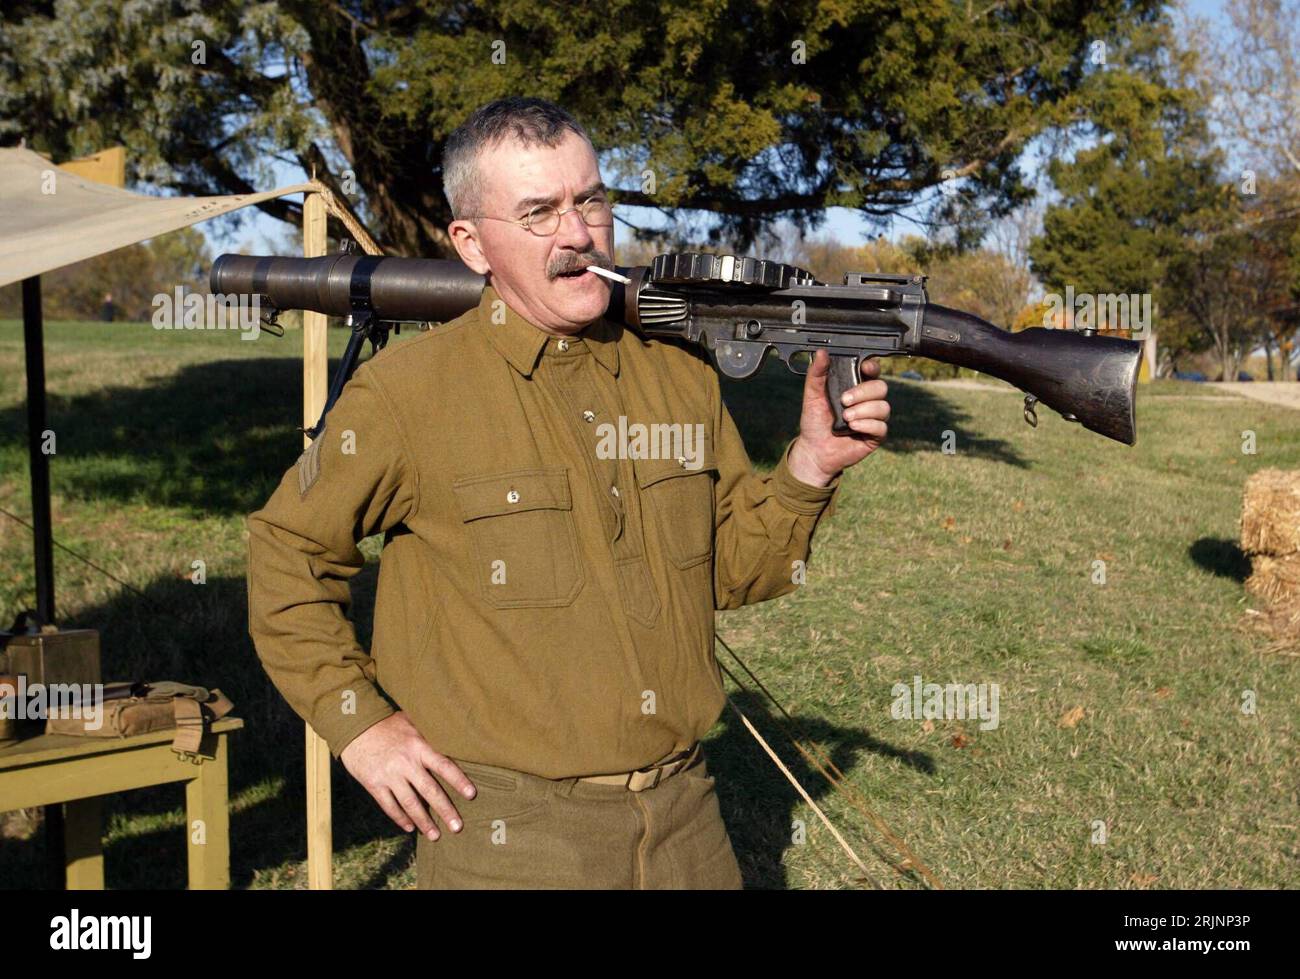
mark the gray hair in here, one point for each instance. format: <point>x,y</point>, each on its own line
<point>531,121</point>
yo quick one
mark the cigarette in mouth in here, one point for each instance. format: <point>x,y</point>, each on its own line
<point>612,276</point>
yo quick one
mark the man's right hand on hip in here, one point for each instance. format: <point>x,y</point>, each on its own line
<point>393,761</point>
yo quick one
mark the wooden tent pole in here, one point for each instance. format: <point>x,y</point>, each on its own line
<point>315,382</point>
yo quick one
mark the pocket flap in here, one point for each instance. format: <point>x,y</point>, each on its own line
<point>513,492</point>
<point>651,471</point>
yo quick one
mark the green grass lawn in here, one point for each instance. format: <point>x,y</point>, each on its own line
<point>971,567</point>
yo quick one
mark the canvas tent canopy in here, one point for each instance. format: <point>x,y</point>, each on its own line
<point>50,217</point>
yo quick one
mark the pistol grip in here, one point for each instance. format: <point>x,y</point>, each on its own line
<point>844,374</point>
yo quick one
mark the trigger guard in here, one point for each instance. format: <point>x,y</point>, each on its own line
<point>798,366</point>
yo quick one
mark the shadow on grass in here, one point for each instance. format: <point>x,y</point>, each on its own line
<point>758,803</point>
<point>1221,557</point>
<point>766,411</point>
<point>214,437</point>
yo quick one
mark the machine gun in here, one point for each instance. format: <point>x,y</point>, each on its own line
<point>738,309</point>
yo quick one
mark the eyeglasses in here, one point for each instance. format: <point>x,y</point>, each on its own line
<point>544,219</point>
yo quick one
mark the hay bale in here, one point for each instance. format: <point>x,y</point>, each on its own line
<point>1276,579</point>
<point>1270,516</point>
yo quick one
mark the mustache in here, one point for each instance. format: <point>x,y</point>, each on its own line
<point>573,261</point>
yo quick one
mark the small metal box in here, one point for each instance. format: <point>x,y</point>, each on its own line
<point>65,656</point>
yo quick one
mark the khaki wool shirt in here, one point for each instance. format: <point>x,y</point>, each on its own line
<point>544,604</point>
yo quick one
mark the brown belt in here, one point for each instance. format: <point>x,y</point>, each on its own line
<point>652,775</point>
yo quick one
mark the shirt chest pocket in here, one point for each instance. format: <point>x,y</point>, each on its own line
<point>524,542</point>
<point>679,494</point>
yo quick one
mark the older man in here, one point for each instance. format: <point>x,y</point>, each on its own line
<point>544,617</point>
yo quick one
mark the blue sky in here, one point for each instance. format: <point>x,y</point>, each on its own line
<point>262,234</point>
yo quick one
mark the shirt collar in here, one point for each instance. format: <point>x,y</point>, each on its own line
<point>521,343</point>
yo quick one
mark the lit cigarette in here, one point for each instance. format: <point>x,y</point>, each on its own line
<point>612,276</point>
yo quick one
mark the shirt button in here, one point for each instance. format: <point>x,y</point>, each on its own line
<point>614,490</point>
<point>589,416</point>
<point>512,496</point>
<point>563,345</point>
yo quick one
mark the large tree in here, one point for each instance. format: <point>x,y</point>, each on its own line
<point>1142,168</point>
<point>1224,283</point>
<point>1141,190</point>
<point>1249,76</point>
<point>747,112</point>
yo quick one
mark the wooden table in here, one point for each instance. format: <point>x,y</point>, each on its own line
<point>80,771</point>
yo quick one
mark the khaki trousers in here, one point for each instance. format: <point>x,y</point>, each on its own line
<point>522,831</point>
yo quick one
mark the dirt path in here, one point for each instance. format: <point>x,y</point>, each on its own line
<point>1285,393</point>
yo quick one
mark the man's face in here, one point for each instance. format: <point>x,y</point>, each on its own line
<point>527,269</point>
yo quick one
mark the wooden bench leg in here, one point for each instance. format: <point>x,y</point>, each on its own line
<point>83,829</point>
<point>207,821</point>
